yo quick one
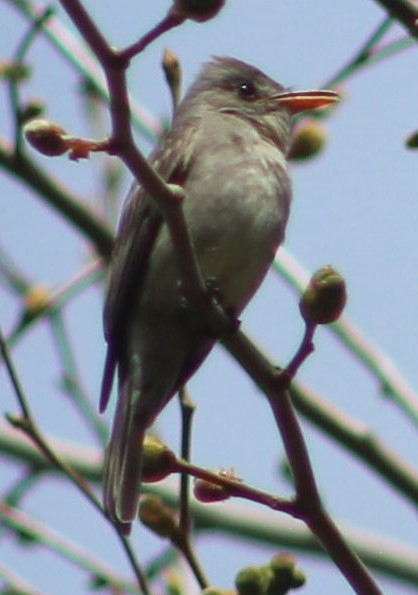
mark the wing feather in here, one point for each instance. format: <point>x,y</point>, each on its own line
<point>138,229</point>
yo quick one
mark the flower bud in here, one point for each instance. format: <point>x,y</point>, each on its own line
<point>34,108</point>
<point>158,461</point>
<point>285,574</point>
<point>15,72</point>
<point>46,137</point>
<point>36,299</point>
<point>309,139</point>
<point>251,581</point>
<point>197,10</point>
<point>171,67</point>
<point>172,71</point>
<point>324,298</point>
<point>412,141</point>
<point>156,516</point>
<point>206,491</point>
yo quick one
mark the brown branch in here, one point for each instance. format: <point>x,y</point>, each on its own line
<point>307,496</point>
<point>358,439</point>
<point>231,518</point>
<point>404,11</point>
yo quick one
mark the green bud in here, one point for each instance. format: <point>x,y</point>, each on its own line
<point>285,574</point>
<point>298,579</point>
<point>14,71</point>
<point>324,298</point>
<point>197,10</point>
<point>309,139</point>
<point>412,141</point>
<point>282,565</point>
<point>158,460</point>
<point>156,516</point>
<point>46,137</point>
<point>251,581</point>
<point>32,109</point>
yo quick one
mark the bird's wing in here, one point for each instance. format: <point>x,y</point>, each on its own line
<point>138,228</point>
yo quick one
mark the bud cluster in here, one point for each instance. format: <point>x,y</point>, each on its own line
<point>278,577</point>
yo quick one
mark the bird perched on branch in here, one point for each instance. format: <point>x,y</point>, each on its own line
<point>227,149</point>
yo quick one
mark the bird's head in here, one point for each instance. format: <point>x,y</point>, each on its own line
<point>229,86</point>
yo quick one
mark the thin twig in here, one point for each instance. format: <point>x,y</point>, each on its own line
<point>170,21</point>
<point>231,518</point>
<point>27,424</point>
<point>18,59</point>
<point>15,584</point>
<point>19,522</point>
<point>77,55</point>
<point>187,409</point>
<point>392,382</point>
<point>307,495</point>
<point>71,381</point>
<point>57,298</point>
<point>362,56</point>
<point>238,489</point>
<point>59,198</point>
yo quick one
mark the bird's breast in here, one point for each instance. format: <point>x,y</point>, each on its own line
<point>237,204</point>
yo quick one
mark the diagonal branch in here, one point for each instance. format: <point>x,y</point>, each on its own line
<point>404,11</point>
<point>59,198</point>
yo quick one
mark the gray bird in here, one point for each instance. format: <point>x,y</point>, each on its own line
<point>227,148</point>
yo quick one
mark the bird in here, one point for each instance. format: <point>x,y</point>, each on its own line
<point>227,149</point>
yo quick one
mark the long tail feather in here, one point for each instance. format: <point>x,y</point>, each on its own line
<point>122,470</point>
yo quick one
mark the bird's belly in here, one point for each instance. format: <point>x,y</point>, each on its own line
<point>234,249</point>
<point>236,207</point>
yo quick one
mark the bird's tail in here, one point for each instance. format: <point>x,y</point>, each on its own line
<point>122,467</point>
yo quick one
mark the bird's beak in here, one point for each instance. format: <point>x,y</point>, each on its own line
<point>301,101</point>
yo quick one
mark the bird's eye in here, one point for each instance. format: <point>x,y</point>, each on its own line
<point>247,90</point>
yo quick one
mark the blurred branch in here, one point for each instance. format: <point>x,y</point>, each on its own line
<point>231,518</point>
<point>10,274</point>
<point>71,380</point>
<point>59,198</point>
<point>361,57</point>
<point>17,446</point>
<point>370,54</point>
<point>26,423</point>
<point>77,54</point>
<point>18,59</point>
<point>404,11</point>
<point>359,440</point>
<point>392,383</point>
<point>38,533</point>
<point>49,302</point>
<point>13,584</point>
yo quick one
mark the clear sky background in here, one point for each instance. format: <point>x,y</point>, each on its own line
<point>354,207</point>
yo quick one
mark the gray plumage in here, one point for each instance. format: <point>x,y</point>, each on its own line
<point>227,149</point>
